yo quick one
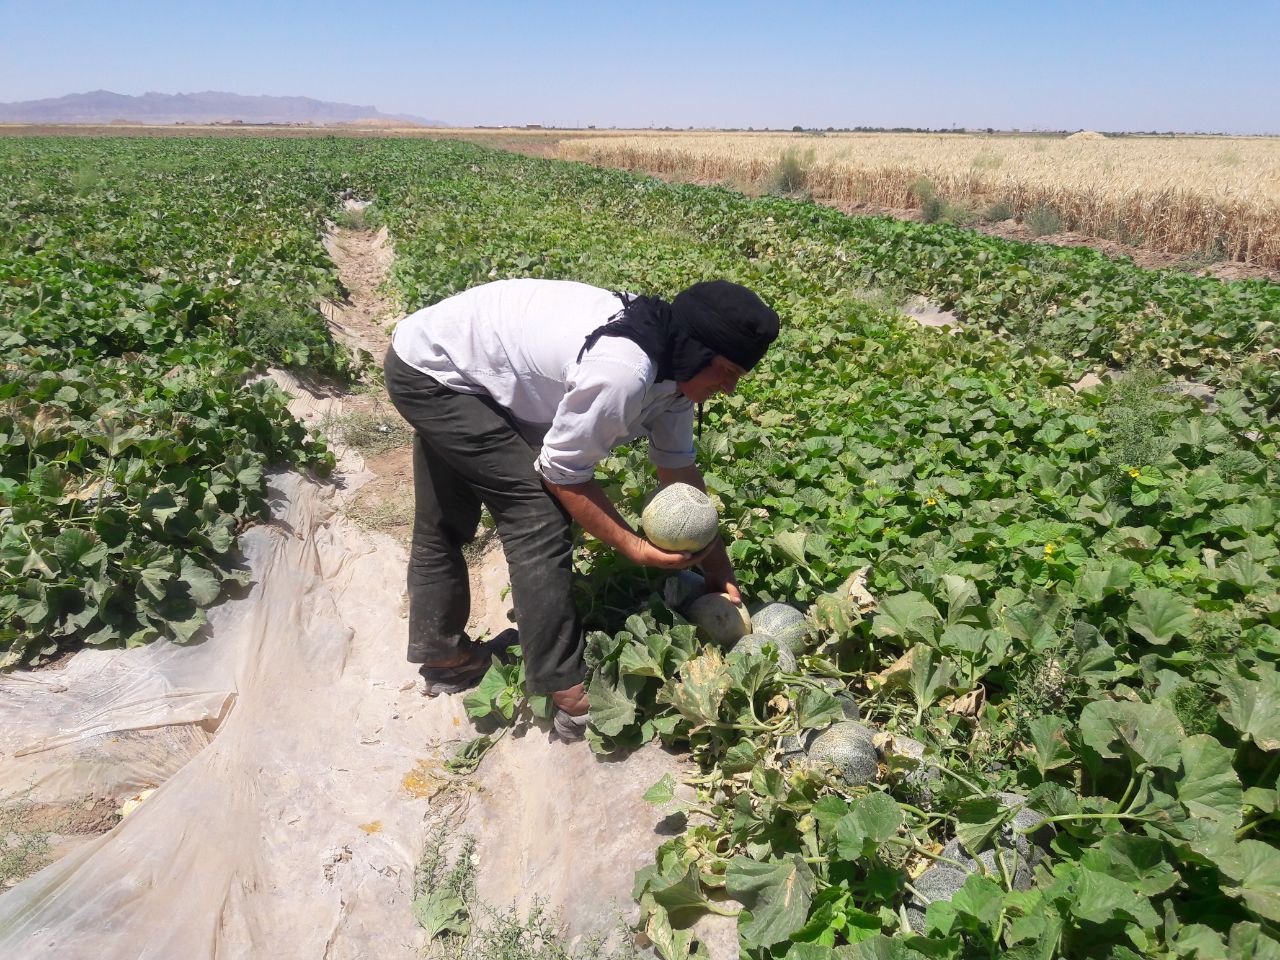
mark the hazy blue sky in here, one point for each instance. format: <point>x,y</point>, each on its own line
<point>1104,66</point>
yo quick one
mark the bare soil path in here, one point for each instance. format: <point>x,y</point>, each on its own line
<point>364,320</point>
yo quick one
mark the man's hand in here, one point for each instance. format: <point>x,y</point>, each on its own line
<point>644,553</point>
<point>726,587</point>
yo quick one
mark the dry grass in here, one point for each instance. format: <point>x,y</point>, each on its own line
<point>1180,195</point>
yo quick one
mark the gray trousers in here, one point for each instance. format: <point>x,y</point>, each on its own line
<point>467,452</point>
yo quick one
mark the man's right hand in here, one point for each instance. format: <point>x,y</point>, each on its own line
<point>645,554</point>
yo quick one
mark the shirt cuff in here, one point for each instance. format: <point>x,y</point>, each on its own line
<point>668,459</point>
<point>561,475</point>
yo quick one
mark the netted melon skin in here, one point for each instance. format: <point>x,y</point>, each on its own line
<point>939,882</point>
<point>1017,865</point>
<point>753,645</point>
<point>1016,852</point>
<point>679,591</point>
<point>787,625</point>
<point>848,705</point>
<point>848,748</point>
<point>680,518</point>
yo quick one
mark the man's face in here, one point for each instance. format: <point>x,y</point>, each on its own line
<point>721,376</point>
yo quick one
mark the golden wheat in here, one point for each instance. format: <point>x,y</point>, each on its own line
<point>1182,195</point>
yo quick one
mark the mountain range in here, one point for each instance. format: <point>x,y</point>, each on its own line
<point>103,106</point>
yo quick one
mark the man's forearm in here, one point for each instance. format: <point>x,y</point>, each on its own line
<point>592,510</point>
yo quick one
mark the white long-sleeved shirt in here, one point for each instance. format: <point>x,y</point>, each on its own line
<point>518,342</point>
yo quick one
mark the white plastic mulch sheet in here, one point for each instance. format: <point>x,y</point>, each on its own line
<point>296,763</point>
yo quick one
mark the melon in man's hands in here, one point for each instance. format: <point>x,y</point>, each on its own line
<point>680,518</point>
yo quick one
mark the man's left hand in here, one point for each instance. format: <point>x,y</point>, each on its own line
<point>727,587</point>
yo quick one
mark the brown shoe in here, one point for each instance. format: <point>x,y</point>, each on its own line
<point>460,678</point>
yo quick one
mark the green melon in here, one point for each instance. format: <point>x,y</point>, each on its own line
<point>787,625</point>
<point>753,645</point>
<point>846,747</point>
<point>680,518</point>
<point>848,705</point>
<point>1012,850</point>
<point>719,620</point>
<point>682,589</point>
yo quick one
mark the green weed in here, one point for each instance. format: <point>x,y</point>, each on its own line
<point>922,190</point>
<point>998,211</point>
<point>1132,419</point>
<point>790,176</point>
<point>462,928</point>
<point>24,849</point>
<point>371,433</point>
<point>1042,220</point>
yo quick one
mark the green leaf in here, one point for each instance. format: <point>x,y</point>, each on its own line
<point>1145,732</point>
<point>791,544</point>
<point>928,678</point>
<point>906,615</point>
<point>1100,897</point>
<point>1253,707</point>
<point>978,818</point>
<point>776,893</point>
<point>663,792</point>
<point>874,819</point>
<point>1138,861</point>
<point>1049,743</point>
<point>1159,615</point>
<point>1253,870</point>
<point>960,594</point>
<point>480,700</point>
<point>1095,585</point>
<point>203,584</point>
<point>1262,799</point>
<point>980,898</point>
<point>439,912</point>
<point>681,896</point>
<point>612,710</point>
<point>816,708</point>
<point>827,812</point>
<point>79,546</point>
<point>742,757</point>
<point>637,660</point>
<point>1248,941</point>
<point>1197,940</point>
<point>1209,787</point>
<point>155,576</point>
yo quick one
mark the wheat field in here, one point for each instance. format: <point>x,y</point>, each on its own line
<point>1214,196</point>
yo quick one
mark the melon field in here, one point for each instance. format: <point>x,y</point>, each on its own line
<point>1042,618</point>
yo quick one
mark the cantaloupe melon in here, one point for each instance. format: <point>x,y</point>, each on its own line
<point>753,645</point>
<point>719,620</point>
<point>787,625</point>
<point>682,589</point>
<point>848,749</point>
<point>848,705</point>
<point>680,518</point>
<point>1015,851</point>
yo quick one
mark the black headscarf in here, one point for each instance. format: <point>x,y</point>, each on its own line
<point>682,337</point>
